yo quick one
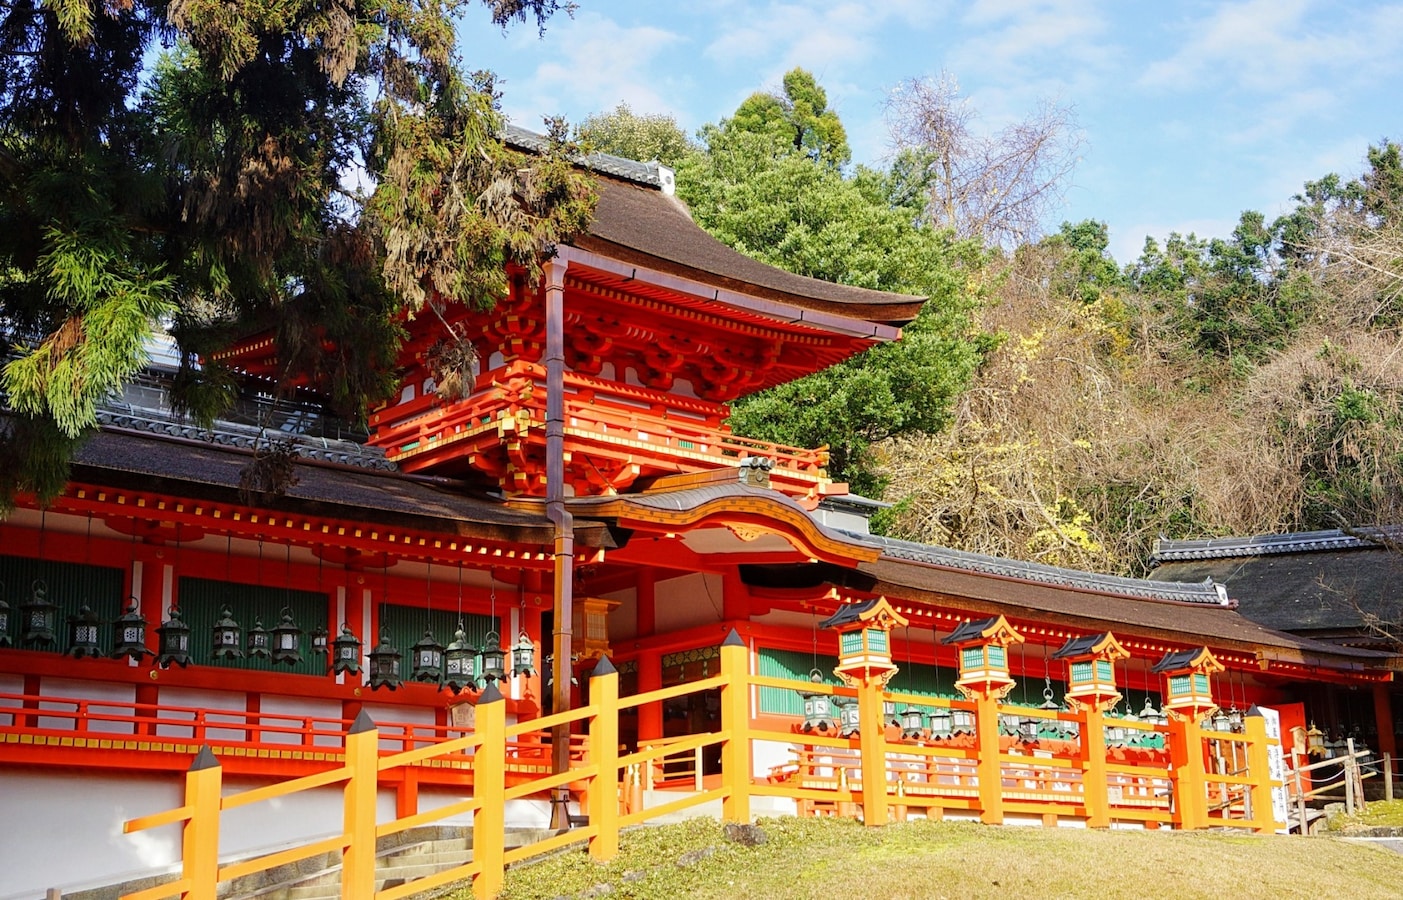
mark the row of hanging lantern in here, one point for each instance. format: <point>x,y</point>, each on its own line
<point>459,666</point>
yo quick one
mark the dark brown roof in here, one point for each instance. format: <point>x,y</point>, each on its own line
<point>1305,591</point>
<point>205,470</point>
<point>643,226</point>
<point>1220,626</point>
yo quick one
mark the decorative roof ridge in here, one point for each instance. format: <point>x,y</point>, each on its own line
<point>246,437</point>
<point>1205,593</point>
<point>1361,538</point>
<point>648,174</point>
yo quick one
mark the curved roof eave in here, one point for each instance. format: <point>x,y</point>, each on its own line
<point>646,227</point>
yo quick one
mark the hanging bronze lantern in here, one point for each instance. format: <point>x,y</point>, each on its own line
<point>962,721</point>
<point>321,641</point>
<point>131,634</point>
<point>940,719</point>
<point>4,620</point>
<point>849,719</point>
<point>287,640</point>
<point>524,656</point>
<point>173,641</point>
<point>460,663</point>
<point>227,637</point>
<point>818,707</point>
<point>428,659</point>
<point>492,656</point>
<point>384,664</point>
<point>37,617</point>
<point>260,642</point>
<point>82,634</point>
<point>347,653</point>
<point>913,723</point>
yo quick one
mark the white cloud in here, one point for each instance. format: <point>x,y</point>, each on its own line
<point>1273,45</point>
<point>594,63</point>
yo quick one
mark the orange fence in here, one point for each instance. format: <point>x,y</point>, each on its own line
<point>1204,779</point>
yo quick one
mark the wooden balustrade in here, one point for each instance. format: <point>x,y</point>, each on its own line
<point>826,774</point>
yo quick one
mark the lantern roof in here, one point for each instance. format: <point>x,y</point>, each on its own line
<point>994,630</point>
<point>1198,658</point>
<point>876,611</point>
<point>1104,645</point>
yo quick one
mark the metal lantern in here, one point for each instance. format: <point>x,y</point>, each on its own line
<point>818,707</point>
<point>1315,741</point>
<point>131,634</point>
<point>1152,715</point>
<point>321,640</point>
<point>940,723</point>
<point>384,664</point>
<point>226,637</point>
<point>4,620</point>
<point>259,640</point>
<point>1115,734</point>
<point>173,641</point>
<point>889,713</point>
<point>849,719</point>
<point>1235,722</point>
<point>1029,729</point>
<point>287,640</point>
<point>428,659</point>
<point>82,634</point>
<point>524,656</point>
<point>962,721</point>
<point>492,656</point>
<point>346,657</point>
<point>460,662</point>
<point>37,617</point>
<point>1220,721</point>
<point>1009,724</point>
<point>913,723</point>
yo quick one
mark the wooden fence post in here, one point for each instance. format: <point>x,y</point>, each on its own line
<point>989,768</point>
<point>363,771</point>
<point>200,836</point>
<point>1259,770</point>
<point>872,744</point>
<point>1189,775</point>
<point>490,789</point>
<point>735,721</point>
<point>604,755</point>
<point>1095,786</point>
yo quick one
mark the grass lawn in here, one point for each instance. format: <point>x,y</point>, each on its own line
<point>832,858</point>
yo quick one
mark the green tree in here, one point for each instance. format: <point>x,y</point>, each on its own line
<point>798,117</point>
<point>758,191</point>
<point>632,135</point>
<point>215,199</point>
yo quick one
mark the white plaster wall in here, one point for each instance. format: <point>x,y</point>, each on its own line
<point>84,813</point>
<point>93,691</point>
<point>77,818</point>
<point>688,601</point>
<point>9,684</point>
<point>192,699</point>
<point>301,708</point>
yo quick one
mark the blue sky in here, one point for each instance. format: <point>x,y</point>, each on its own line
<point>1190,112</point>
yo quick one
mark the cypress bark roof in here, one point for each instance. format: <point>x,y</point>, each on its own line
<point>1310,582</point>
<point>639,221</point>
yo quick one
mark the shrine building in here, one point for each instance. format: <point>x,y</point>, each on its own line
<point>584,498</point>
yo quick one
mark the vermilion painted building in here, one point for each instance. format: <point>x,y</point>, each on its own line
<point>590,470</point>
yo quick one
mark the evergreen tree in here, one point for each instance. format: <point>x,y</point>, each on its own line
<point>320,169</point>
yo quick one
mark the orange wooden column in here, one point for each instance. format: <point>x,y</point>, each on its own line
<point>604,756</point>
<point>362,764</point>
<point>735,722</point>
